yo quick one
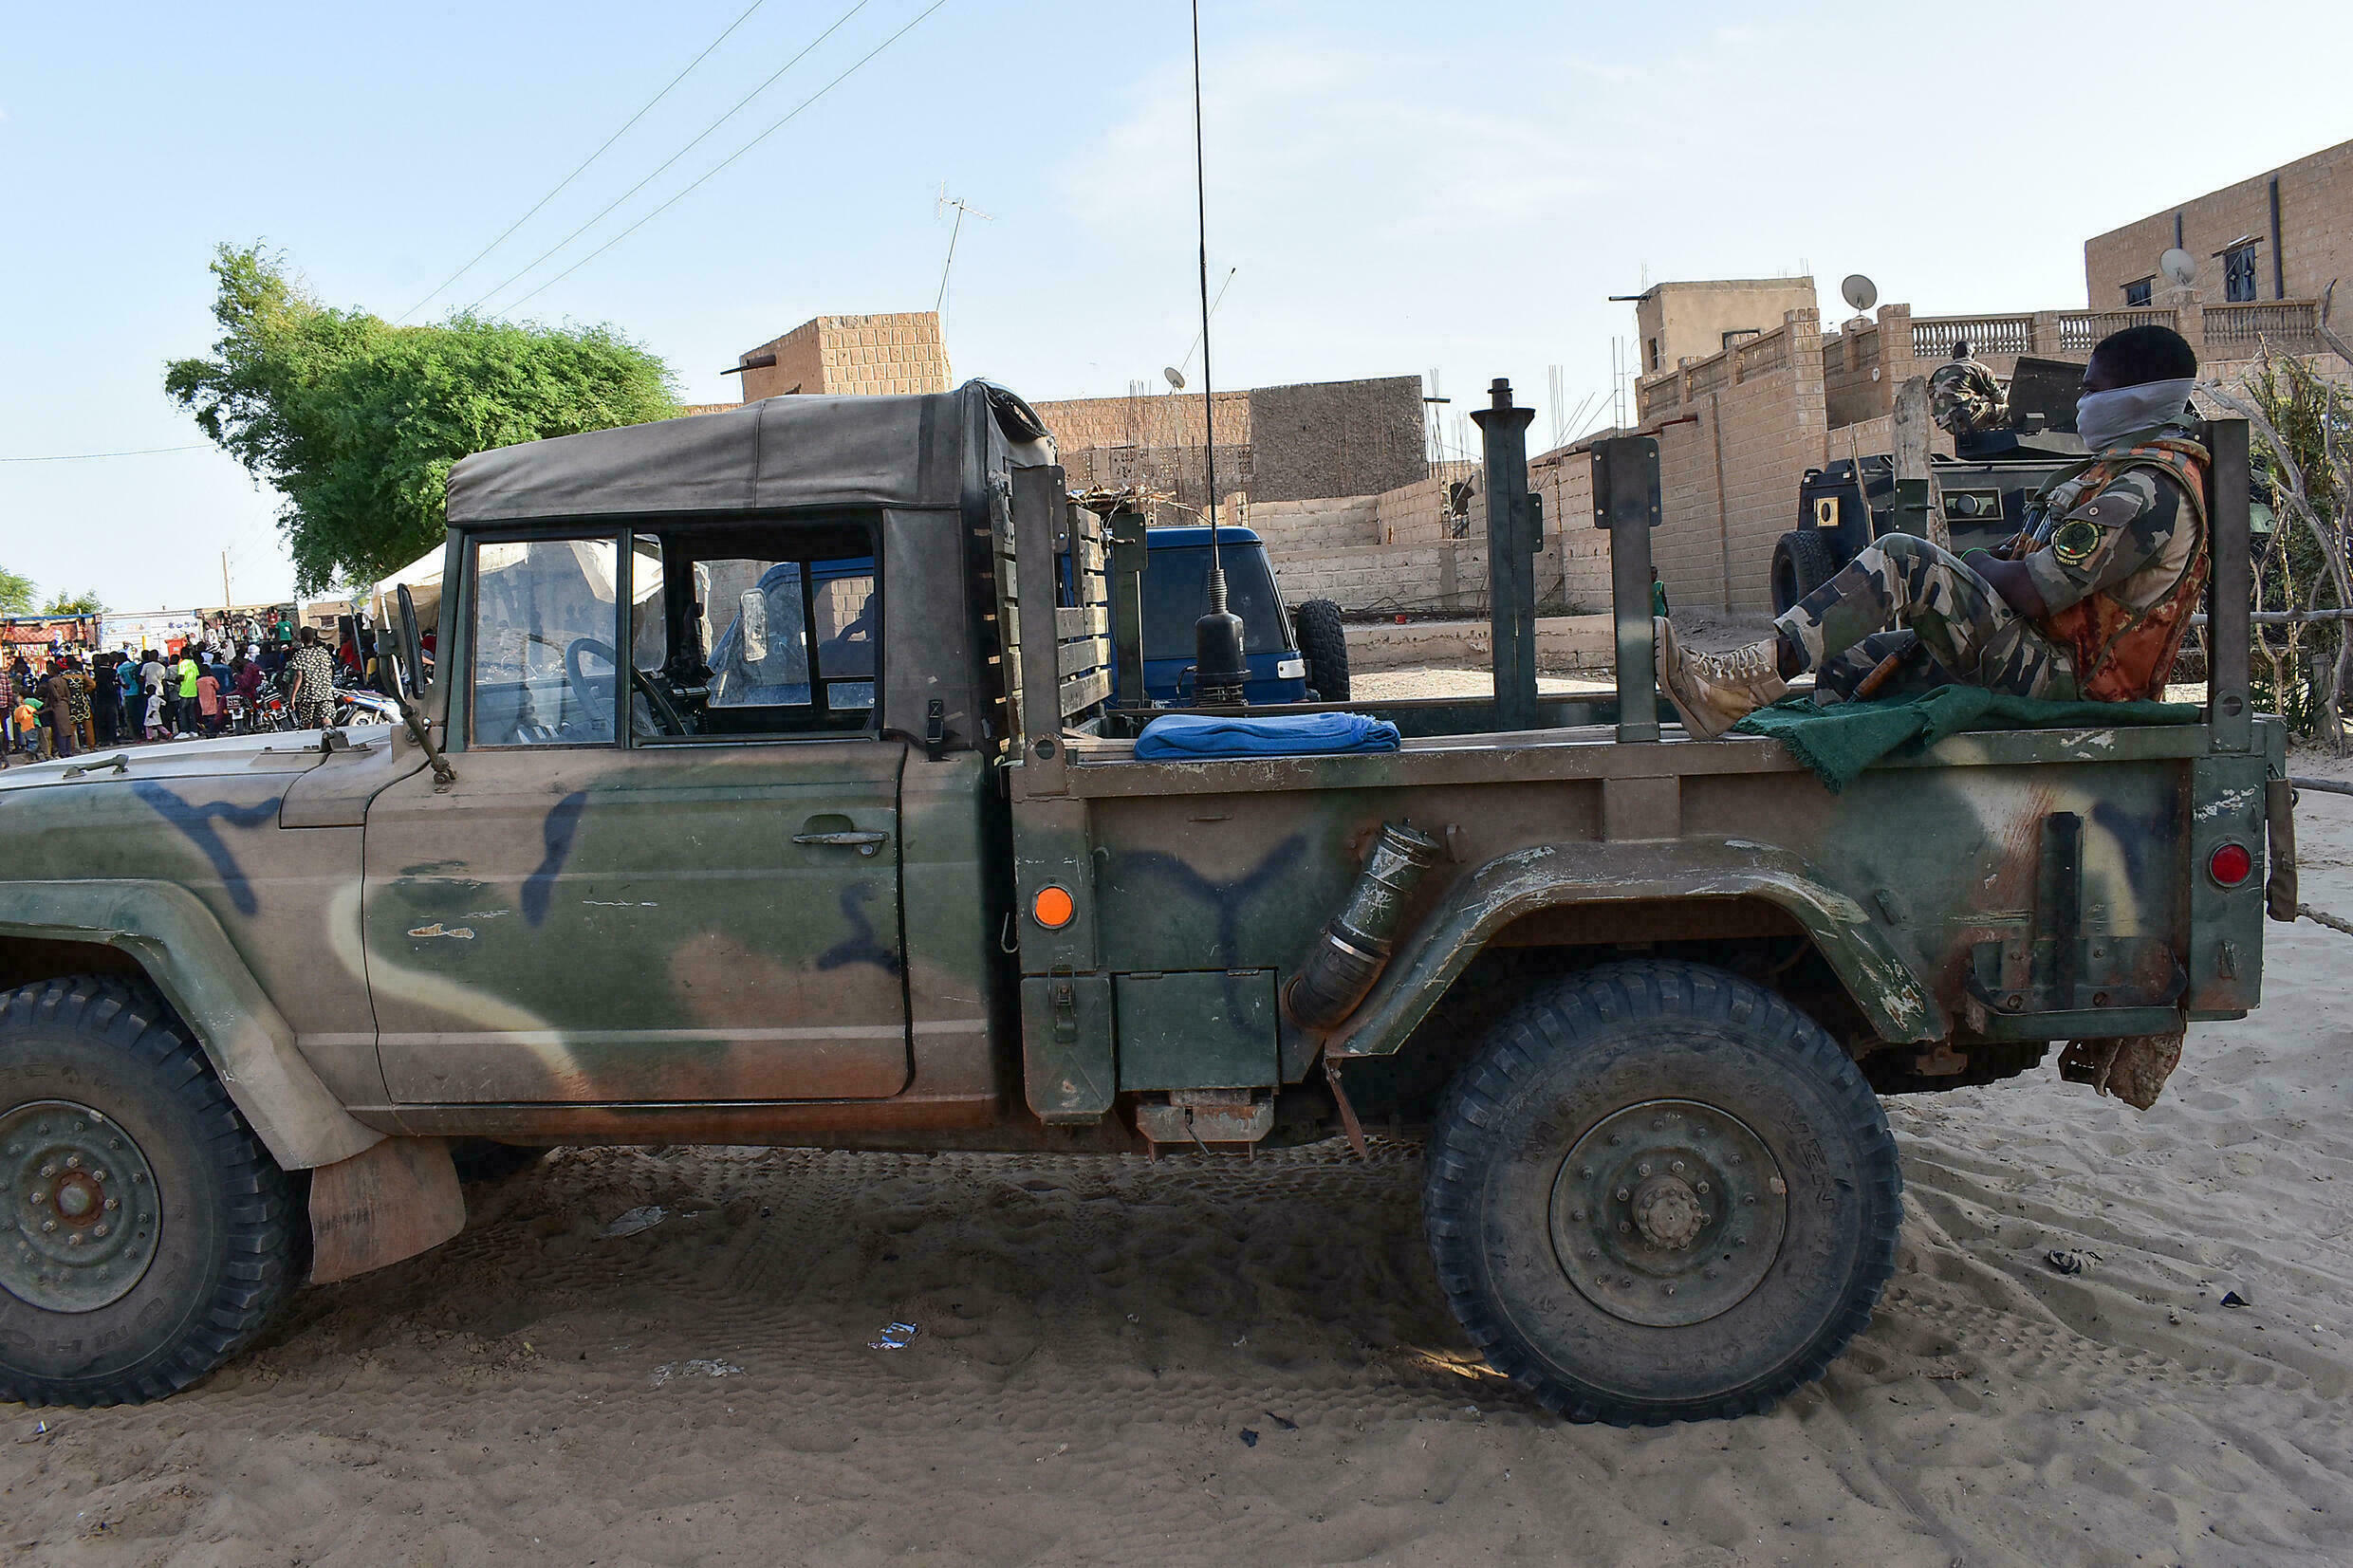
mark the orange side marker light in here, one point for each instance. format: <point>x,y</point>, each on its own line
<point>1053,907</point>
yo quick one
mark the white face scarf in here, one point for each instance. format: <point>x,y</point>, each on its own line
<point>2104,418</point>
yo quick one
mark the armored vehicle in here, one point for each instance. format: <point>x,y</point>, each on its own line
<point>1984,488</point>
<point>767,791</point>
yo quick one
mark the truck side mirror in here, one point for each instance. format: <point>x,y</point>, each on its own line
<point>412,646</point>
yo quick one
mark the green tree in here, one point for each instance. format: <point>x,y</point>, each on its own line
<point>357,422</point>
<point>86,602</point>
<point>16,592</point>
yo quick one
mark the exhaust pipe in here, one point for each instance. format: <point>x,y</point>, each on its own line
<point>1355,948</point>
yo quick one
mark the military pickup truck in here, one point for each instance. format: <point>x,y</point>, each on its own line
<point>767,791</point>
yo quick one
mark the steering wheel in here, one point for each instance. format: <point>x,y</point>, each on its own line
<point>666,714</point>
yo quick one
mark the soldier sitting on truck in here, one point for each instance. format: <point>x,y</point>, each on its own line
<point>2090,600</point>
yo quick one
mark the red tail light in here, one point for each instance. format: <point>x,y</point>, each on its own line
<point>2231,865</point>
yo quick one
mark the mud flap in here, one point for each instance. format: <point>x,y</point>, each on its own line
<point>386,1203</point>
<point>2132,1068</point>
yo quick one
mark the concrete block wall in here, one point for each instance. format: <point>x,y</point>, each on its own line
<point>1414,578</point>
<point>1410,565</point>
<point>1420,512</point>
<point>1564,479</point>
<point>1316,523</point>
<point>1563,642</point>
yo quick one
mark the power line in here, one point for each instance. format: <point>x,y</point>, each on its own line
<point>584,162</point>
<point>86,456</point>
<point>730,158</point>
<point>672,159</point>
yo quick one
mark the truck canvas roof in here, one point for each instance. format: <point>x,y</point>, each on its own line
<point>775,454</point>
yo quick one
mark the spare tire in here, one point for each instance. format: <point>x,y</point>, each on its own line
<point>1323,638</point>
<point>1803,560</point>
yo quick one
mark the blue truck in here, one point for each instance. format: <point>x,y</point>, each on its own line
<point>1295,654</point>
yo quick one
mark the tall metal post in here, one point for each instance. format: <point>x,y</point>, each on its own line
<point>1511,544</point>
<point>1625,501</point>
<point>1128,565</point>
<point>2230,720</point>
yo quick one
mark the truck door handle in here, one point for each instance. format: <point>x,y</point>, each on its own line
<point>868,842</point>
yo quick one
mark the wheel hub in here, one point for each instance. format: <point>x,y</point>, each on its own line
<point>82,1226</point>
<point>1668,1213</point>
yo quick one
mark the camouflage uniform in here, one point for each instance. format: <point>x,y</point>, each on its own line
<point>1964,397</point>
<point>2130,542</point>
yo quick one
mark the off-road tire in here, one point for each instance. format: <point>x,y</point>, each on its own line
<point>487,1159</point>
<point>1585,1049</point>
<point>1803,560</point>
<point>1323,638</point>
<point>225,1244</point>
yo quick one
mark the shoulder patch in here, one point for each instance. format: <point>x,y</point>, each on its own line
<point>2076,541</point>
<point>2110,509</point>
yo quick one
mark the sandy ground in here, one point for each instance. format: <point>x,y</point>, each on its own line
<point>1241,1361</point>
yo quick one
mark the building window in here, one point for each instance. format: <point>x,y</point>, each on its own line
<point>1653,344</point>
<point>2238,272</point>
<point>1741,335</point>
<point>2137,294</point>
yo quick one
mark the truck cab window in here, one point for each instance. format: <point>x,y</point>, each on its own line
<point>545,672</point>
<point>749,632</point>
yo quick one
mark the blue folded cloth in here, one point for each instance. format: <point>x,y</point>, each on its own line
<point>1182,736</point>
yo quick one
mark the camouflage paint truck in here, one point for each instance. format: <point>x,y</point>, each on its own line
<point>767,792</point>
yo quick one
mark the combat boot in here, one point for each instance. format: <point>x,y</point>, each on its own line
<point>1713,692</point>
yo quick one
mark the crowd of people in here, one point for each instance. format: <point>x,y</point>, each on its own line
<point>66,704</point>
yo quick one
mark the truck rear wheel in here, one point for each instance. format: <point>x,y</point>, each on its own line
<point>146,1235</point>
<point>1658,1194</point>
<point>1803,560</point>
<point>1323,643</point>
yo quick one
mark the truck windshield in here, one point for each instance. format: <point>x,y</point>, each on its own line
<point>1177,594</point>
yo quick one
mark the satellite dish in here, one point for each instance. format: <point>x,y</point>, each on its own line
<point>1859,292</point>
<point>1176,377</point>
<point>2178,266</point>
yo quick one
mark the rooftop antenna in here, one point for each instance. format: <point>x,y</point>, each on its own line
<point>2178,267</point>
<point>1219,672</point>
<point>962,207</point>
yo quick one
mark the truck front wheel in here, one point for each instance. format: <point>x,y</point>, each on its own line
<point>1658,1194</point>
<point>146,1235</point>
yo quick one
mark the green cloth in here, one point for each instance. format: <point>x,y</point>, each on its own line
<point>1839,742</point>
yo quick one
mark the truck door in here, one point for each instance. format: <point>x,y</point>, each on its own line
<point>670,876</point>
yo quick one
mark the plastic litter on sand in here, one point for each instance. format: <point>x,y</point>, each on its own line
<point>637,1220</point>
<point>895,1336</point>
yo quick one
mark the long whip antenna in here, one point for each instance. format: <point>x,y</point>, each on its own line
<point>1220,669</point>
<point>1208,405</point>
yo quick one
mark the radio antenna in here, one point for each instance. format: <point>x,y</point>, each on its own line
<point>1219,675</point>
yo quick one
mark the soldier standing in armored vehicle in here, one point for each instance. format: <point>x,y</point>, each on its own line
<point>2090,600</point>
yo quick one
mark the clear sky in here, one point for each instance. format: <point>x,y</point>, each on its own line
<point>1397,189</point>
